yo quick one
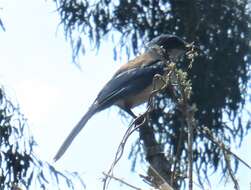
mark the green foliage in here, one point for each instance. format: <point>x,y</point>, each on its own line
<point>219,75</point>
<point>19,166</point>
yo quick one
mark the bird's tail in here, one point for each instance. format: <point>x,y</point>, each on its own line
<point>75,132</point>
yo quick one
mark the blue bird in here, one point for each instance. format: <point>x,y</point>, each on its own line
<point>131,85</point>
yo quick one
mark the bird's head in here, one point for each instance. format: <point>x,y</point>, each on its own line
<point>173,46</point>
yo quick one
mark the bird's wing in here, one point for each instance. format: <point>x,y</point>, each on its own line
<point>128,83</point>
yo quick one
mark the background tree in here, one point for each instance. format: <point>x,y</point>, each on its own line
<point>219,76</point>
<point>20,167</point>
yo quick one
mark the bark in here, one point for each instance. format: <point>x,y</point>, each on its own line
<point>156,158</point>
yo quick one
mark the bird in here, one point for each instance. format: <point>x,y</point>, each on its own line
<point>132,84</point>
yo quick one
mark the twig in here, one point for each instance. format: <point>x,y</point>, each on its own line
<point>226,153</point>
<point>184,86</point>
<point>121,181</point>
<point>120,149</point>
<point>221,145</point>
<point>177,78</point>
<point>230,171</point>
<point>164,185</point>
<point>175,158</point>
<point>190,150</point>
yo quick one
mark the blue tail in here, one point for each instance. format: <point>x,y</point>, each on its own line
<point>75,132</point>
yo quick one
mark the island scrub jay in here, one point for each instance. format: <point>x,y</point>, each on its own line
<point>131,85</point>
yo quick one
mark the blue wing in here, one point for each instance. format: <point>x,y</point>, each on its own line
<point>128,83</point>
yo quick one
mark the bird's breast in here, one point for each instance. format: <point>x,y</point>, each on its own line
<point>137,99</point>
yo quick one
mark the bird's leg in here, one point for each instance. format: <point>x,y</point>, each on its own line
<point>129,111</point>
<point>138,120</point>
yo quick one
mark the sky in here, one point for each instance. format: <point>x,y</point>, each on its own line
<point>53,93</point>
